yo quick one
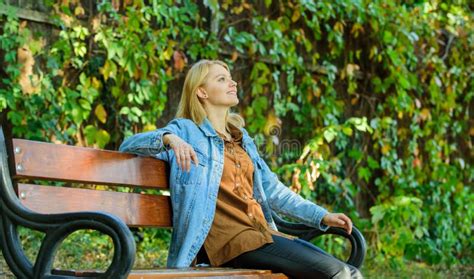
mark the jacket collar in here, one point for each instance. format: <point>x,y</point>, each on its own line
<point>209,131</point>
<point>207,128</point>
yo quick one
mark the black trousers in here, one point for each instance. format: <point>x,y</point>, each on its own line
<point>295,258</point>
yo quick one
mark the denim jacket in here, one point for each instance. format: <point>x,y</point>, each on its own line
<point>194,193</point>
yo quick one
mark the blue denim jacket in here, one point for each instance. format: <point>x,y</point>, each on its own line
<point>194,193</point>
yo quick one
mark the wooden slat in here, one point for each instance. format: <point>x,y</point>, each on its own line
<point>136,210</point>
<point>39,160</point>
<point>205,272</point>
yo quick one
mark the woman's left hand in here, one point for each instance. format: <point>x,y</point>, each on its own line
<point>339,220</point>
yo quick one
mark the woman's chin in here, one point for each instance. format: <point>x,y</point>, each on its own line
<point>236,102</point>
<point>230,102</point>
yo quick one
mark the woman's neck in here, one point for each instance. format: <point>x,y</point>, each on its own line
<point>217,119</point>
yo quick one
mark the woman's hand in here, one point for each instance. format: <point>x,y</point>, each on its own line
<point>339,220</point>
<point>183,151</point>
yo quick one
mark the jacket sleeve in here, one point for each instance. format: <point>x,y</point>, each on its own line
<point>151,143</point>
<point>284,201</point>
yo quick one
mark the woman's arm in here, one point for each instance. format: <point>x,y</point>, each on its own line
<point>283,200</point>
<point>155,142</point>
<point>151,143</point>
<point>287,202</point>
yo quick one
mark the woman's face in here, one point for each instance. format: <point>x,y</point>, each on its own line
<point>219,90</point>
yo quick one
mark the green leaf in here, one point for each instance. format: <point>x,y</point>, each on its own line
<point>356,154</point>
<point>84,80</point>
<point>76,113</point>
<point>395,57</point>
<point>96,136</point>
<point>347,131</point>
<point>364,173</point>
<point>90,133</point>
<point>124,110</point>
<point>373,164</point>
<point>15,117</point>
<point>85,104</point>
<point>329,135</point>
<point>138,112</point>
<point>387,37</point>
<point>102,137</point>
<point>101,113</point>
<point>378,213</point>
<point>404,83</point>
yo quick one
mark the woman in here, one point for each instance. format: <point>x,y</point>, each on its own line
<point>223,192</point>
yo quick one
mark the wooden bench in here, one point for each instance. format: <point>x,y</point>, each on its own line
<point>59,211</point>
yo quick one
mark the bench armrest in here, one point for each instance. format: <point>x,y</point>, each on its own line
<point>357,240</point>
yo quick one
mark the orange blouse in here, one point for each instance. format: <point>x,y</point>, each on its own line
<point>239,225</point>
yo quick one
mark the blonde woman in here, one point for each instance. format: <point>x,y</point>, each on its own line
<point>223,192</point>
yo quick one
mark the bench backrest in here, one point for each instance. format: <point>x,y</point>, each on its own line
<point>35,161</point>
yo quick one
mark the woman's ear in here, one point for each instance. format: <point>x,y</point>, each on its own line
<point>201,93</point>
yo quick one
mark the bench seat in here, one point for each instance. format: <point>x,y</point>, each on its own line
<point>202,272</point>
<point>206,273</point>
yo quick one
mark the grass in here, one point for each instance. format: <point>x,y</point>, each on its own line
<point>415,270</point>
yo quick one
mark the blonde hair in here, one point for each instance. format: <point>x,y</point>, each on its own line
<point>190,106</point>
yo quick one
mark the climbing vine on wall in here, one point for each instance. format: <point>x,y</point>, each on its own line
<point>377,96</point>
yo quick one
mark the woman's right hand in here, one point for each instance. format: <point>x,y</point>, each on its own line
<point>183,151</point>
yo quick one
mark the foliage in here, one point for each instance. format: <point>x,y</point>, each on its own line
<point>88,249</point>
<point>400,221</point>
<point>380,92</point>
